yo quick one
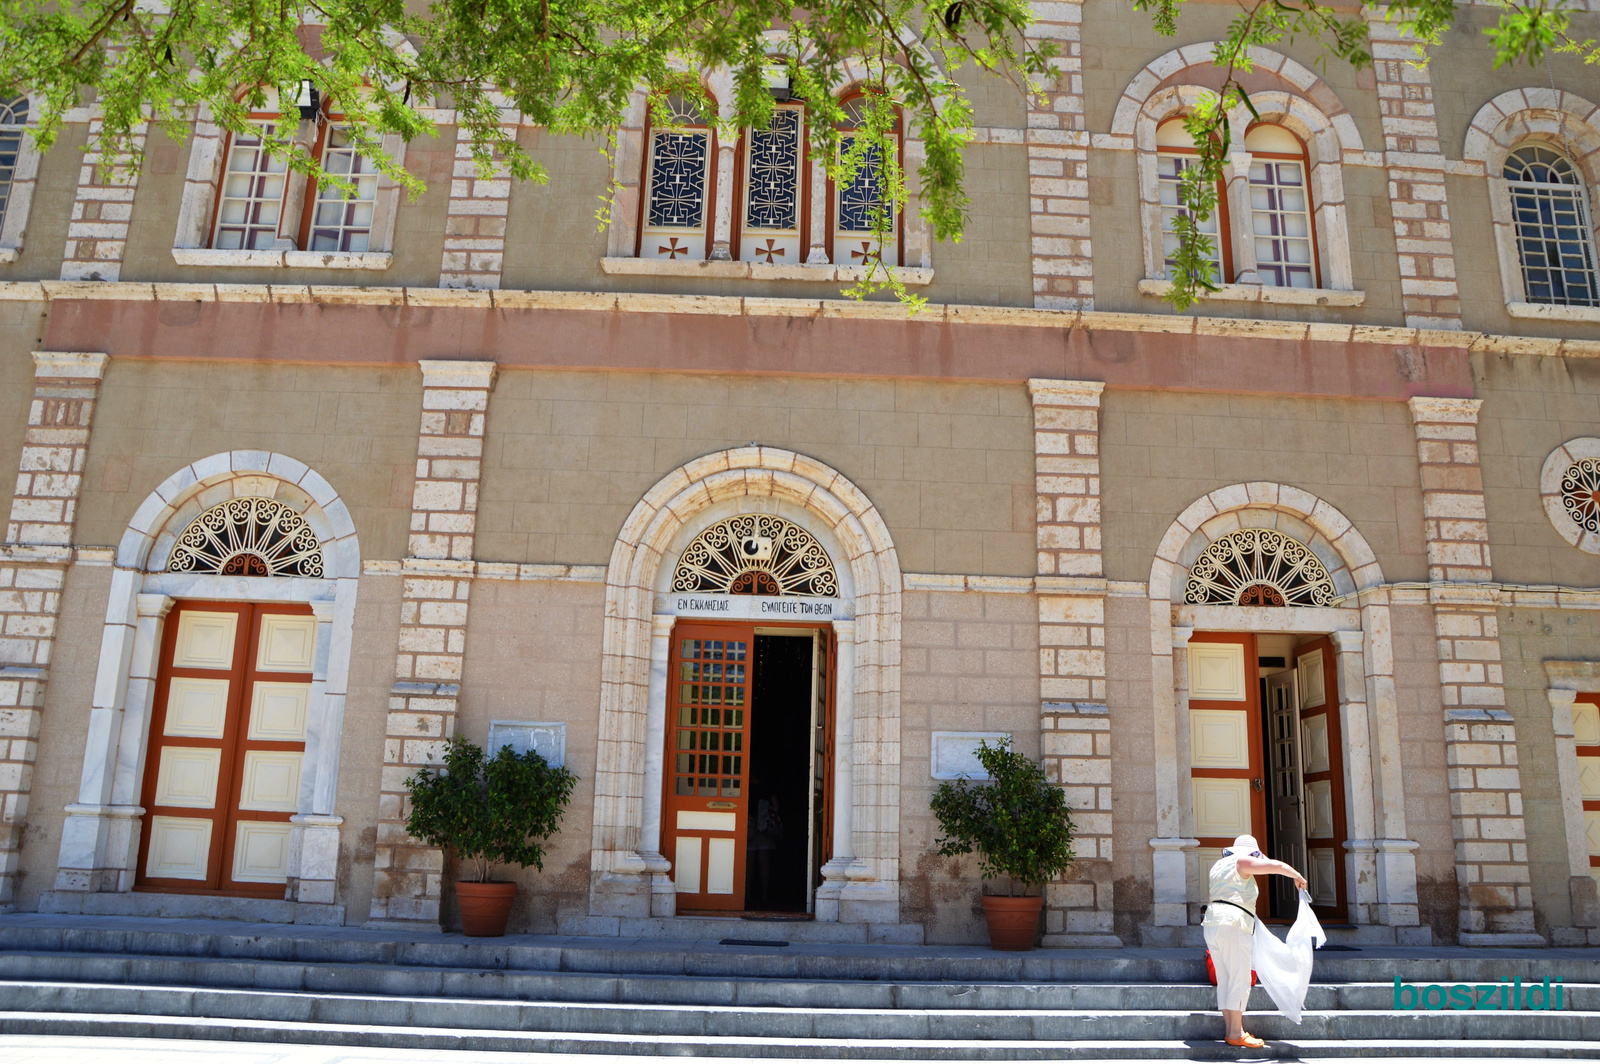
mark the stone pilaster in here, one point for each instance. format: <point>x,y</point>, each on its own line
<point>436,584</point>
<point>1058,168</point>
<point>1416,179</point>
<point>33,572</point>
<point>1492,873</point>
<point>97,234</point>
<point>475,222</point>
<point>1075,726</point>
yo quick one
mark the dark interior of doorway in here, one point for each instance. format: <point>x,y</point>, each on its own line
<point>780,771</point>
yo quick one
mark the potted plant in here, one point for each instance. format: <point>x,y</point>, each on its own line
<point>488,811</point>
<point>1022,829</point>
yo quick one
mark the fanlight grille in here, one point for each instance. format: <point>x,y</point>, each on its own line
<point>248,537</point>
<point>1259,567</point>
<point>1580,493</point>
<point>756,554</point>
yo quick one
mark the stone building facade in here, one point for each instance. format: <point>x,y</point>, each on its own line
<point>303,492</point>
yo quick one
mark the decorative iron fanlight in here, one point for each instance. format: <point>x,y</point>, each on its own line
<point>1259,567</point>
<point>756,554</point>
<point>248,537</point>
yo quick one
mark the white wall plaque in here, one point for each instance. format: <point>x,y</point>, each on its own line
<point>753,607</point>
<point>547,737</point>
<point>955,754</point>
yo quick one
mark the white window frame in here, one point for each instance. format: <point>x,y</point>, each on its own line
<point>1564,122</point>
<point>1326,140</point>
<point>192,242</point>
<point>24,178</point>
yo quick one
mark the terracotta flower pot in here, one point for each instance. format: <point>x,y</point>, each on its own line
<point>1013,922</point>
<point>485,907</point>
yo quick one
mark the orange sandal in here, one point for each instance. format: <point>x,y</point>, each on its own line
<point>1249,1041</point>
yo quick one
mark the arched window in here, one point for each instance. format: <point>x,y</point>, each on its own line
<point>1277,241</point>
<point>1174,154</point>
<point>1555,244</point>
<point>679,183</point>
<point>856,203</point>
<point>337,221</point>
<point>773,184</point>
<point>1280,208</point>
<point>13,117</point>
<point>256,190</point>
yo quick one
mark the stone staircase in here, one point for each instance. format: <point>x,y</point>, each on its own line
<point>341,986</point>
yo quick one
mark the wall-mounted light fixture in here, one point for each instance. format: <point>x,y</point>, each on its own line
<point>309,101</point>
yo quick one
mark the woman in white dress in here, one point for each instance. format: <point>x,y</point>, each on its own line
<point>1230,926</point>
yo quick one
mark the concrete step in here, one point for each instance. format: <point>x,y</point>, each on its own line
<point>900,1025</point>
<point>30,966</point>
<point>622,1046</point>
<point>241,941</point>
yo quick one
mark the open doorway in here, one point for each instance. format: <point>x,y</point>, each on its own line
<point>747,822</point>
<point>1267,759</point>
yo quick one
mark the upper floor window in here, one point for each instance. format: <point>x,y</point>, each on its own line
<point>13,117</point>
<point>1554,241</point>
<point>774,179</point>
<point>1174,154</point>
<point>860,202</point>
<point>255,208</point>
<point>1263,232</point>
<point>679,184</point>
<point>1280,208</point>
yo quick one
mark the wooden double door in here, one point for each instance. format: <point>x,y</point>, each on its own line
<point>227,745</point>
<point>1266,759</point>
<point>710,812</point>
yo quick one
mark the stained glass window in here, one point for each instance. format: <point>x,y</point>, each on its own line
<point>13,116</point>
<point>858,199</point>
<point>252,193</point>
<point>1554,242</point>
<point>756,554</point>
<point>248,537</point>
<point>1259,567</point>
<point>337,223</point>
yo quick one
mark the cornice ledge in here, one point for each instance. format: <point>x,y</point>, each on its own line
<point>752,306</point>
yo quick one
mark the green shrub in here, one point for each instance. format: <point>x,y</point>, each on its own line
<point>1019,824</point>
<point>489,811</point>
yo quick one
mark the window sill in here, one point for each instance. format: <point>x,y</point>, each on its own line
<point>1250,293</point>
<point>756,271</point>
<point>272,258</point>
<point>1553,312</point>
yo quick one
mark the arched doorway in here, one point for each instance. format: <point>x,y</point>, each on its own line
<point>1275,709</point>
<point>856,647</point>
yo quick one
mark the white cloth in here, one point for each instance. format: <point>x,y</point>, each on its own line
<point>1284,968</point>
<point>1231,950</point>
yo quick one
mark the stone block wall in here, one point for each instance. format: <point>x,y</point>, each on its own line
<point>969,662</point>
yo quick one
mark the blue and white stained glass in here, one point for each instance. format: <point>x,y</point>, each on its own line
<point>864,193</point>
<point>774,181</point>
<point>678,180</point>
<point>13,116</point>
<point>1554,241</point>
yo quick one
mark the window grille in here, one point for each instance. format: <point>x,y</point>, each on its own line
<point>859,201</point>
<point>679,179</point>
<point>337,223</point>
<point>756,554</point>
<point>251,203</point>
<point>248,537</point>
<point>772,190</point>
<point>13,116</point>
<point>1259,567</point>
<point>1280,216</point>
<point>1555,245</point>
<point>1169,175</point>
